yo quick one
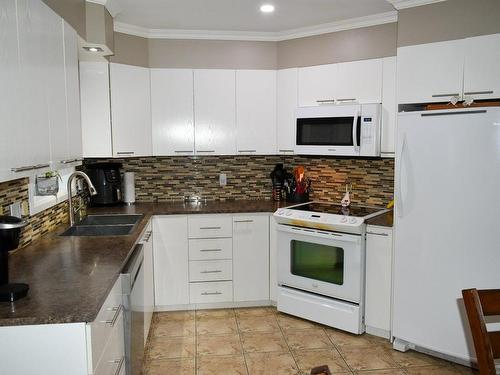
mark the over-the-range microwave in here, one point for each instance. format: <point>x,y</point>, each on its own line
<point>342,130</point>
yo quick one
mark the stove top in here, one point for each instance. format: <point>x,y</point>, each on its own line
<point>329,208</point>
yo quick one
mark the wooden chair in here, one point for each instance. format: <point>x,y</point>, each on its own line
<point>478,304</point>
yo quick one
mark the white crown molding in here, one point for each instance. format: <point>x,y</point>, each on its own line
<point>353,23</point>
<point>403,4</point>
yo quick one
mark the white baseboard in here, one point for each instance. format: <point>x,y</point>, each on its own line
<point>217,305</point>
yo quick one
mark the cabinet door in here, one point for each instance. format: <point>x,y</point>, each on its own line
<point>430,72</point>
<point>250,258</point>
<point>286,105</point>
<point>170,244</point>
<point>149,298</point>
<point>95,107</point>
<point>389,107</point>
<point>256,112</point>
<point>318,85</point>
<point>215,112</point>
<point>73,118</point>
<point>482,68</point>
<point>378,280</point>
<point>172,112</point>
<point>130,110</point>
<point>359,81</point>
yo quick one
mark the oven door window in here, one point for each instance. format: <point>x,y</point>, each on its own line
<point>317,262</point>
<point>327,131</point>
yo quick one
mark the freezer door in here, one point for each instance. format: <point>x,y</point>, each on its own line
<point>446,223</point>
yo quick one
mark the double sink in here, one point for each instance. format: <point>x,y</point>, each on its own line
<point>104,225</point>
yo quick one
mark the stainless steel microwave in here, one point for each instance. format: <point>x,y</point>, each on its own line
<point>342,130</point>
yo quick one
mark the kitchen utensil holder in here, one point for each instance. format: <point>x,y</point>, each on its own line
<point>47,186</point>
<point>277,192</point>
<point>298,197</point>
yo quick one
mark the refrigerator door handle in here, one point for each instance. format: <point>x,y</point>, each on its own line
<point>399,197</point>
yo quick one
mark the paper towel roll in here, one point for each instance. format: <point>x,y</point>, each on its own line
<point>129,187</point>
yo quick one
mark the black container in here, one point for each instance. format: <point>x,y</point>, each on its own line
<point>297,197</point>
<point>107,181</point>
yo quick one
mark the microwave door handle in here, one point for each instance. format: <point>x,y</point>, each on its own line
<point>355,132</point>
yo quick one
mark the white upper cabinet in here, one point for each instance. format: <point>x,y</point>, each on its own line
<point>318,85</point>
<point>359,81</point>
<point>130,110</point>
<point>482,67</point>
<point>389,107</point>
<point>215,111</point>
<point>172,111</point>
<point>286,105</point>
<point>95,107</point>
<point>255,111</point>
<point>430,72</point>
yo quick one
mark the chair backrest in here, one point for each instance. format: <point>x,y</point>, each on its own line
<point>478,304</point>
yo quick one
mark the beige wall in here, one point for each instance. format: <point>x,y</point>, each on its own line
<point>448,20</point>
<point>73,11</point>
<point>212,54</point>
<point>99,25</point>
<point>357,44</point>
<point>131,50</point>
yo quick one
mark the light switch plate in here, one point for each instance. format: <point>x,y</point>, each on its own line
<point>16,210</point>
<point>222,179</point>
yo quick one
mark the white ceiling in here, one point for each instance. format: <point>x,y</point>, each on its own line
<point>241,16</point>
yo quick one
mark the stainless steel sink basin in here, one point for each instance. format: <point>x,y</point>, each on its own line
<point>111,220</point>
<point>98,230</point>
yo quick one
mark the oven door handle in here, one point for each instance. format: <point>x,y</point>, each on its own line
<point>319,233</point>
<point>355,132</point>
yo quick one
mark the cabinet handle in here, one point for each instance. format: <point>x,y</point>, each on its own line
<point>247,151</point>
<point>117,311</point>
<point>211,293</point>
<point>125,153</point>
<point>40,166</point>
<point>378,234</point>
<point>215,271</point>
<point>325,101</point>
<point>444,95</point>
<point>207,151</point>
<point>69,161</point>
<point>243,221</point>
<point>183,152</point>
<point>210,228</point>
<point>23,169</point>
<point>332,149</point>
<point>120,364</point>
<point>454,113</point>
<point>147,236</point>
<point>347,100</point>
<point>209,250</point>
<point>478,92</point>
<point>285,150</point>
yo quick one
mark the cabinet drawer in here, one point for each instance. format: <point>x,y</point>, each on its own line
<point>113,359</point>
<point>210,270</point>
<point>209,226</point>
<point>211,292</point>
<point>107,319</point>
<point>210,249</point>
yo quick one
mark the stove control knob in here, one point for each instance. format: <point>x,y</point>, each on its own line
<point>343,220</point>
<point>353,220</point>
<point>281,212</point>
<point>289,213</point>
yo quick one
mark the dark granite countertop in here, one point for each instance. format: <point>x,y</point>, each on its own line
<point>383,220</point>
<point>70,277</point>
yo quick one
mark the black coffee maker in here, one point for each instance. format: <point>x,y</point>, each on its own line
<point>10,232</point>
<point>107,180</point>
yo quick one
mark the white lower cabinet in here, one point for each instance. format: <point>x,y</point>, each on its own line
<point>273,260</point>
<point>213,292</point>
<point>251,257</point>
<point>149,293</point>
<point>378,280</point>
<point>170,241</point>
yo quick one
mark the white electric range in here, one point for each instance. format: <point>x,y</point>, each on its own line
<point>321,262</point>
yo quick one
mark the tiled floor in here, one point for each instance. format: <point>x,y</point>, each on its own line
<point>261,341</point>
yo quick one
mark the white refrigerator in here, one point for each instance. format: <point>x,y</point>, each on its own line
<point>447,224</point>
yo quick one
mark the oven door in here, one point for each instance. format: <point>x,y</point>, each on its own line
<point>328,130</point>
<point>325,263</point>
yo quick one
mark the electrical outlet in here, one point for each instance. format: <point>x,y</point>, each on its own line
<point>15,209</point>
<point>222,179</point>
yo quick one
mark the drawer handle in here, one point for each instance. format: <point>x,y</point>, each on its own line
<point>444,95</point>
<point>125,153</point>
<point>117,311</point>
<point>478,92</point>
<point>183,152</point>
<point>147,236</point>
<point>205,151</point>
<point>215,271</point>
<point>243,221</point>
<point>378,234</point>
<point>285,150</point>
<point>247,151</point>
<point>211,293</point>
<point>120,364</point>
<point>208,250</point>
<point>207,228</point>
<point>325,101</point>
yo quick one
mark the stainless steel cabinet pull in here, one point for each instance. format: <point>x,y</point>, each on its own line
<point>210,228</point>
<point>285,150</point>
<point>183,152</point>
<point>347,100</point>
<point>208,250</point>
<point>243,221</point>
<point>454,113</point>
<point>215,271</point>
<point>207,151</point>
<point>23,169</point>
<point>125,153</point>
<point>444,95</point>
<point>69,161</point>
<point>211,293</point>
<point>247,151</point>
<point>117,311</point>
<point>332,149</point>
<point>325,101</point>
<point>40,166</point>
<point>478,92</point>
<point>120,364</point>
<point>378,234</point>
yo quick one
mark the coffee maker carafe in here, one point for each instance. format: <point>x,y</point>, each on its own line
<point>106,178</point>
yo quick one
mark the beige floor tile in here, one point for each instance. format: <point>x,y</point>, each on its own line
<point>255,311</point>
<point>342,338</point>
<point>173,316</point>
<point>173,328</point>
<point>221,366</point>
<point>381,372</point>
<point>217,326</point>
<point>263,342</point>
<point>217,313</point>
<point>412,358</point>
<point>171,367</point>
<point>271,364</point>
<point>465,370</point>
<point>287,322</point>
<point>434,370</point>
<point>227,345</point>
<point>258,324</point>
<point>304,339</point>
<point>367,358</point>
<point>168,348</point>
<point>308,359</point>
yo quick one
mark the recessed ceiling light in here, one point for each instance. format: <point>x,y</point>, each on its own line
<point>267,8</point>
<point>93,49</point>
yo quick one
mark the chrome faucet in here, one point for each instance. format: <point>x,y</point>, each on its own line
<point>92,191</point>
